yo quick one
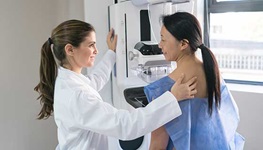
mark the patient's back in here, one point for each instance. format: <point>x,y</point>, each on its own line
<point>191,70</point>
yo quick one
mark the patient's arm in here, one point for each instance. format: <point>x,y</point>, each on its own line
<point>159,139</point>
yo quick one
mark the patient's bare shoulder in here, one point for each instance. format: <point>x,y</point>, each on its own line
<point>190,72</point>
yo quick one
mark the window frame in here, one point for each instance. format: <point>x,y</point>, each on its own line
<point>212,6</point>
<point>234,6</point>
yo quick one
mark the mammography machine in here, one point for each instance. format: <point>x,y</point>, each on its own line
<point>139,60</point>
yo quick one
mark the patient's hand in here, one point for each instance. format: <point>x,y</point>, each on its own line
<point>186,90</point>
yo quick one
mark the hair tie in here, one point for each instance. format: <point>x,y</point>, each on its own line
<point>50,41</point>
<point>201,46</point>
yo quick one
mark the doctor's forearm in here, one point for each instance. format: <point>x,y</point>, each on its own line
<point>144,120</point>
<point>100,75</point>
<point>95,115</point>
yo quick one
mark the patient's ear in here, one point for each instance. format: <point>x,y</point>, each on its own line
<point>184,44</point>
<point>69,50</point>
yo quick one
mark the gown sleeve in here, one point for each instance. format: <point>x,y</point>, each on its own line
<point>100,117</point>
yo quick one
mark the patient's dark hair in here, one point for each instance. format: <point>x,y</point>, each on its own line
<point>183,25</point>
<point>69,32</point>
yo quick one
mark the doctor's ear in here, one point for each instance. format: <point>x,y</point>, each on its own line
<point>69,49</point>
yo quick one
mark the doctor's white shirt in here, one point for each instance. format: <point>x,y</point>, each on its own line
<point>84,121</point>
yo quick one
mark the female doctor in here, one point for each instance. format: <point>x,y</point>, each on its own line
<point>83,120</point>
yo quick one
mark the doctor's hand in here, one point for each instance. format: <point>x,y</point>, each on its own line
<point>112,40</point>
<point>186,90</point>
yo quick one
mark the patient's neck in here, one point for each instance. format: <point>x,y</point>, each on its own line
<point>186,60</point>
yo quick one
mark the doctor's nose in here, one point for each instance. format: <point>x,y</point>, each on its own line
<point>95,50</point>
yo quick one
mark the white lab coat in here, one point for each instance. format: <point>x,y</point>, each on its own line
<point>84,121</point>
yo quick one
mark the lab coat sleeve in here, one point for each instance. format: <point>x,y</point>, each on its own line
<point>100,117</point>
<point>100,74</point>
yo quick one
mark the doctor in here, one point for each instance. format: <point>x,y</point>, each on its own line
<point>83,120</point>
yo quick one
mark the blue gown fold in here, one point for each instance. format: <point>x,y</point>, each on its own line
<point>195,129</point>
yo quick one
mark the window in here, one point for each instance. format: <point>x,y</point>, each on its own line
<point>236,38</point>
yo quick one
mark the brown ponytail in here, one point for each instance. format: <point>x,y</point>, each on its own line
<point>48,74</point>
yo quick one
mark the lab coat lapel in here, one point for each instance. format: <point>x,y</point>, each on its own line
<point>79,78</point>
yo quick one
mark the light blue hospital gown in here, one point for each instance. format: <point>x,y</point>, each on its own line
<point>195,129</point>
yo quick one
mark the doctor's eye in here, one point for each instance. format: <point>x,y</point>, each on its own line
<point>92,45</point>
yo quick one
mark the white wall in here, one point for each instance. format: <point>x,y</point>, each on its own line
<point>25,25</point>
<point>251,120</point>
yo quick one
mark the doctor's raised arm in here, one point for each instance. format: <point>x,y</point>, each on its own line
<point>83,119</point>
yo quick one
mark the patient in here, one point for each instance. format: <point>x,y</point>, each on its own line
<point>209,121</point>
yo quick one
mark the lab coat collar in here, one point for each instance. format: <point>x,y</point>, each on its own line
<point>77,78</point>
<point>66,73</point>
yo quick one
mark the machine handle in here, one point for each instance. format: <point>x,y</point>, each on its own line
<point>132,55</point>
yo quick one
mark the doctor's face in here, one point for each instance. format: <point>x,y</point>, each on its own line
<point>169,44</point>
<point>84,55</point>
